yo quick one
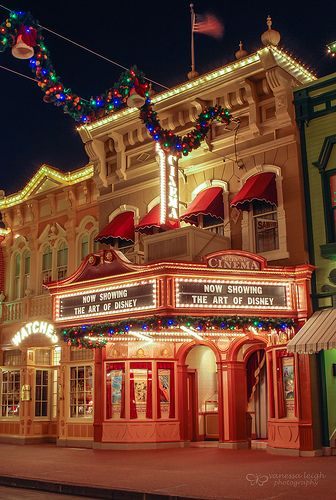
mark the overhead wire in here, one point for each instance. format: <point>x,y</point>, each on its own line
<point>89,50</point>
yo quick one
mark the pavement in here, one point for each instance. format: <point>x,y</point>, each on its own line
<point>167,474</point>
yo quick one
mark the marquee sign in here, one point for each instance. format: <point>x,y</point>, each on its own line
<point>35,327</point>
<point>106,301</point>
<point>233,261</point>
<point>220,294</point>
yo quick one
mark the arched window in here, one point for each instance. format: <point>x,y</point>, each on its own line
<point>209,207</point>
<point>17,276</point>
<point>84,246</point>
<point>62,261</point>
<point>47,265</point>
<point>26,270</point>
<point>264,223</point>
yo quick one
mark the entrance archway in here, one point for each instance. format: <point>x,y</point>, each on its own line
<point>201,405</point>
<point>256,383</point>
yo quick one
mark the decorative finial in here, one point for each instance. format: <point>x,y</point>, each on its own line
<point>271,36</point>
<point>269,22</point>
<point>241,52</point>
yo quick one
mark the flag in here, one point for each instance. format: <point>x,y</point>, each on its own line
<point>208,24</point>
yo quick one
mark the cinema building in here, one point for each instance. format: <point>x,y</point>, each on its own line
<point>175,330</point>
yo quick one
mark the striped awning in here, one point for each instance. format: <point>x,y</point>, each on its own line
<point>318,333</point>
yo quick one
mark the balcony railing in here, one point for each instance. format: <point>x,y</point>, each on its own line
<point>27,309</point>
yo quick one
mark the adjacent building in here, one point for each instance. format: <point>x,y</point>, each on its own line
<point>174,333</point>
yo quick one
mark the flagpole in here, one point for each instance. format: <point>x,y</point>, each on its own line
<point>193,73</point>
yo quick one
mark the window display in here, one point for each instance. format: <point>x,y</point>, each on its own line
<point>115,390</point>
<point>81,392</point>
<point>141,390</point>
<point>10,393</point>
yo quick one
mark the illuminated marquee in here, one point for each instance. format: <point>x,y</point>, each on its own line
<point>169,202</point>
<point>33,328</point>
<point>220,294</point>
<point>106,301</point>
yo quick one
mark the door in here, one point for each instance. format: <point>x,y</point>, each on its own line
<point>192,409</point>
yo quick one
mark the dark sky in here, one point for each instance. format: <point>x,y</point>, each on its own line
<point>154,35</point>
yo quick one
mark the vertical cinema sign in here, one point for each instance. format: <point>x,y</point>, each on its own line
<point>169,198</point>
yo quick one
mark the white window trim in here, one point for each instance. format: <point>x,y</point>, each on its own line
<point>68,412</point>
<point>248,236</point>
<point>81,231</point>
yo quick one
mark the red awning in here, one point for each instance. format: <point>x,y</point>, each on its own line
<point>260,187</point>
<point>151,221</point>
<point>207,202</point>
<point>120,228</point>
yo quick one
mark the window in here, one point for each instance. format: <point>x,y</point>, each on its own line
<point>47,265</point>
<point>10,393</point>
<point>211,224</point>
<point>41,393</point>
<point>81,392</point>
<point>42,356</point>
<point>54,393</point>
<point>265,223</point>
<point>17,276</point>
<point>26,271</point>
<point>84,248</point>
<point>12,358</point>
<point>62,261</point>
<point>332,206</point>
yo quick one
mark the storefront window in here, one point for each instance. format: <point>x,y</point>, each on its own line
<point>10,393</point>
<point>265,221</point>
<point>115,390</point>
<point>54,393</point>
<point>165,390</point>
<point>141,390</point>
<point>81,392</point>
<point>41,393</point>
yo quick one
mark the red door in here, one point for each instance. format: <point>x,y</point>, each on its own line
<point>191,407</point>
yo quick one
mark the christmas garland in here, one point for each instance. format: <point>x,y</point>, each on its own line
<point>81,110</point>
<point>24,25</point>
<point>86,335</point>
<point>175,144</point>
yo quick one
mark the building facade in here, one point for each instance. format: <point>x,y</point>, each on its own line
<point>316,117</point>
<point>238,202</point>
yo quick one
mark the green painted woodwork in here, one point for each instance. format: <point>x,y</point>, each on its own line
<point>330,382</point>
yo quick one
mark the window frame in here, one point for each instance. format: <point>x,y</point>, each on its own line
<point>77,417</point>
<point>10,371</point>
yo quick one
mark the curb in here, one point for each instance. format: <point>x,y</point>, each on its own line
<point>92,492</point>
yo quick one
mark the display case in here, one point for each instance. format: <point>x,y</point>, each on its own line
<point>211,418</point>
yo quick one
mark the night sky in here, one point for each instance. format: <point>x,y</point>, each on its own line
<point>154,35</point>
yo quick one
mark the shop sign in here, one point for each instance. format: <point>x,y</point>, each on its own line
<point>169,196</point>
<point>106,301</point>
<point>232,261</point>
<point>216,294</point>
<point>35,327</point>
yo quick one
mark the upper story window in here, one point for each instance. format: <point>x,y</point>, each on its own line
<point>26,270</point>
<point>62,261</point>
<point>119,232</point>
<point>47,265</point>
<point>17,276</point>
<point>84,246</point>
<point>265,223</point>
<point>332,205</point>
<point>207,209</point>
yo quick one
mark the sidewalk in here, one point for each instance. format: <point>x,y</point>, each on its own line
<point>199,473</point>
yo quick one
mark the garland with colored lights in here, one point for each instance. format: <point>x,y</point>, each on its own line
<point>50,83</point>
<point>80,336</point>
<point>114,99</point>
<point>176,144</point>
